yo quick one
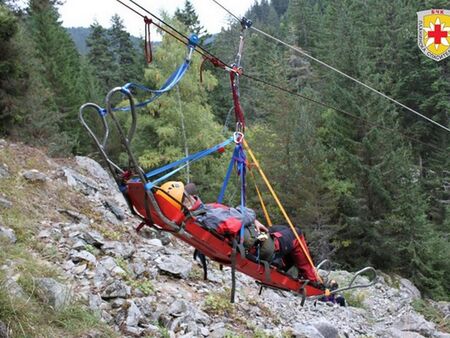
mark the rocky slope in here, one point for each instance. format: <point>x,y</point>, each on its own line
<point>67,218</point>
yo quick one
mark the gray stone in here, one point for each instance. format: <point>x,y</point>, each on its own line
<point>68,265</point>
<point>81,183</point>
<point>326,329</point>
<point>134,315</point>
<point>305,331</point>
<point>46,233</point>
<point>4,171</point>
<point>78,270</point>
<point>99,276</point>
<point>4,331</point>
<point>76,216</point>
<point>118,303</point>
<point>79,245</point>
<point>415,323</point>
<point>8,234</point>
<point>220,333</point>
<point>396,333</point>
<point>115,209</point>
<point>151,330</point>
<point>133,331</point>
<point>107,317</point>
<point>204,331</point>
<point>117,289</point>
<point>443,307</point>
<point>34,175</point>
<point>155,242</point>
<point>178,308</point>
<point>175,265</point>
<point>201,317</point>
<point>93,168</point>
<point>438,334</point>
<point>409,287</point>
<point>93,238</point>
<point>95,302</point>
<point>83,256</point>
<point>53,293</point>
<point>108,263</point>
<point>13,289</point>
<point>138,268</point>
<point>118,249</point>
<point>4,203</point>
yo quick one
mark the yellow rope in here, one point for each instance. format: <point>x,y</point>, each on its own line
<point>261,201</point>
<point>269,186</point>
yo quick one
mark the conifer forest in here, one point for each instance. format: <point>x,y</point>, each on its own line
<point>366,180</point>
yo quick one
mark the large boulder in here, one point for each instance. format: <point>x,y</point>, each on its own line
<point>305,331</point>
<point>93,168</point>
<point>53,293</point>
<point>408,287</point>
<point>396,333</point>
<point>414,322</point>
<point>326,329</point>
<point>175,265</point>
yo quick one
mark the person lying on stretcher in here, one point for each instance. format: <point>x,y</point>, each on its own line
<point>277,245</point>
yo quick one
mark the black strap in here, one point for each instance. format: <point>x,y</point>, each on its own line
<point>260,290</point>
<point>202,258</point>
<point>302,291</point>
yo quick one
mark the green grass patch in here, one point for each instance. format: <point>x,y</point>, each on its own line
<point>355,298</point>
<point>432,314</point>
<point>30,318</point>
<point>219,304</point>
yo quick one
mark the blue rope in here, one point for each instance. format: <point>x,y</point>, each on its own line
<point>239,158</point>
<point>242,172</point>
<point>227,176</point>
<point>171,82</point>
<point>190,158</point>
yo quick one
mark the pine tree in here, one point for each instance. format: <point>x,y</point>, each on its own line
<point>124,54</point>
<point>62,69</point>
<point>189,18</point>
<point>101,58</point>
<point>8,66</point>
<point>27,99</point>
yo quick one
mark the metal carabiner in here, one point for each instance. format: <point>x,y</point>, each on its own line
<point>238,137</point>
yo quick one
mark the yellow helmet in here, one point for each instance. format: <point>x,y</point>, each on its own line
<point>175,190</point>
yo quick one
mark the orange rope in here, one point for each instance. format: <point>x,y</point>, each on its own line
<point>269,186</point>
<point>261,201</point>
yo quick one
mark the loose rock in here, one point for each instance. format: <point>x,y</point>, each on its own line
<point>116,289</point>
<point>175,265</point>
<point>8,234</point>
<point>34,175</point>
<point>4,203</point>
<point>53,293</point>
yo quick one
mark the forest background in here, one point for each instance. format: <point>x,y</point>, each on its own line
<point>369,183</point>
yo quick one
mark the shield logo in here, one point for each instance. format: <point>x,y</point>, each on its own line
<point>433,38</point>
